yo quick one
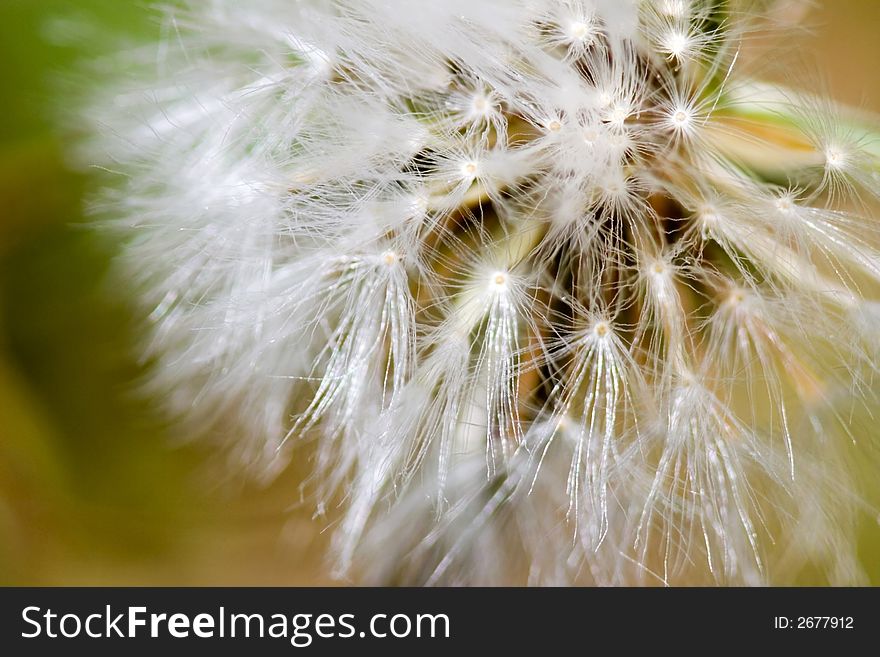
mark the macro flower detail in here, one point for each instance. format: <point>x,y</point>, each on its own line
<point>549,291</point>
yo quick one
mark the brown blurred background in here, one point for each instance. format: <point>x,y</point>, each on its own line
<point>92,491</point>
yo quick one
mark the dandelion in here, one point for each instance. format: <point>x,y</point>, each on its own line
<point>558,291</point>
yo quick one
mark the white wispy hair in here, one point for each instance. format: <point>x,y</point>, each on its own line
<point>562,295</point>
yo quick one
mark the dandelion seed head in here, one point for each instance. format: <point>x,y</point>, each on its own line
<point>555,283</point>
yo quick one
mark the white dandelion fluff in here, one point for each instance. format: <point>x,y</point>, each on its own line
<point>560,293</point>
